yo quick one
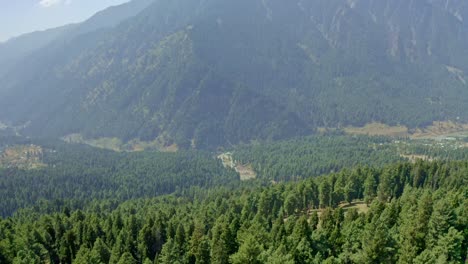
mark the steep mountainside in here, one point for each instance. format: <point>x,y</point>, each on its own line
<point>17,48</point>
<point>212,72</point>
<point>14,50</point>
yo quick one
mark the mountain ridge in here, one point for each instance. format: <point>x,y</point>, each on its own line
<point>210,73</point>
<point>16,48</point>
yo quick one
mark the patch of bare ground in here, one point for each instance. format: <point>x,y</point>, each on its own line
<point>116,144</point>
<point>246,172</point>
<point>438,130</point>
<point>360,206</point>
<point>172,148</point>
<point>413,158</point>
<point>441,129</point>
<point>378,129</point>
<point>22,156</point>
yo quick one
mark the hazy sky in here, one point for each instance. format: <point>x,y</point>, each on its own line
<point>22,16</point>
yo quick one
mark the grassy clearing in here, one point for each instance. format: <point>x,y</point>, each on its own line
<point>378,129</point>
<point>360,206</point>
<point>437,131</point>
<point>440,130</point>
<point>117,145</point>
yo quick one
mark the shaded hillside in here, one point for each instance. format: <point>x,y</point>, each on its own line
<point>209,73</point>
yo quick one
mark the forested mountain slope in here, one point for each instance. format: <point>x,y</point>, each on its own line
<point>213,72</point>
<point>15,50</point>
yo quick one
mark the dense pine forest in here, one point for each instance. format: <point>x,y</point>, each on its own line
<point>75,175</point>
<point>316,155</point>
<point>321,199</point>
<point>418,213</point>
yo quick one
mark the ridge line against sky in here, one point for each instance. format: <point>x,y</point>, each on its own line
<point>25,16</point>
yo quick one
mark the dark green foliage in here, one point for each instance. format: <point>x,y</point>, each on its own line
<point>316,155</point>
<point>76,175</point>
<point>420,224</point>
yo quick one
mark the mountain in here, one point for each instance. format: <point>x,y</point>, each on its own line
<point>214,72</point>
<point>13,50</point>
<point>17,48</point>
